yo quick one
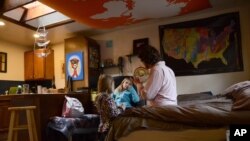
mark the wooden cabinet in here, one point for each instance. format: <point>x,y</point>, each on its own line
<point>29,65</point>
<point>4,118</point>
<point>91,60</point>
<point>38,68</point>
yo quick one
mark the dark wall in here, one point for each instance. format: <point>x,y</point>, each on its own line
<point>33,84</point>
<point>6,84</point>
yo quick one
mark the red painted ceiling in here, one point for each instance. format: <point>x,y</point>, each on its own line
<point>105,14</point>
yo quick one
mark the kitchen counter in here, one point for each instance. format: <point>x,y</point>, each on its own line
<point>48,105</point>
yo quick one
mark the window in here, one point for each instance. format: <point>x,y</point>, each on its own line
<point>3,62</point>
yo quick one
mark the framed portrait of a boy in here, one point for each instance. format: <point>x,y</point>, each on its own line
<point>74,65</point>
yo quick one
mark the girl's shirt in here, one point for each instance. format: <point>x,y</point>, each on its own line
<point>107,109</point>
<point>127,97</point>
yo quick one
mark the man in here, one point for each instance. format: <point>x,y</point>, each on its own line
<point>160,88</point>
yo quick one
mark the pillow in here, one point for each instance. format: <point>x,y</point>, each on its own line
<point>241,99</point>
<point>240,93</point>
<point>235,87</point>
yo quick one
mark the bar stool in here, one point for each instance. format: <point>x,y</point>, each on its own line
<point>14,123</point>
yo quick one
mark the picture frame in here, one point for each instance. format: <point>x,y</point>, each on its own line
<point>138,45</point>
<point>75,65</point>
<point>204,46</point>
<point>3,62</point>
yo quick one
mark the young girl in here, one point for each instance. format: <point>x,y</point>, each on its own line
<point>125,94</point>
<point>106,105</point>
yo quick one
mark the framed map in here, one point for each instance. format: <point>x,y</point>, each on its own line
<point>204,46</point>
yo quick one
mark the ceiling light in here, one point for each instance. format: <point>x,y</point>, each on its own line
<point>2,23</point>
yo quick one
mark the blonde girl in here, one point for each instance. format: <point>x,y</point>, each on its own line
<point>125,94</point>
<point>106,106</point>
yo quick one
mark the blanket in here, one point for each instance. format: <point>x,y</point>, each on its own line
<point>204,114</point>
<point>87,123</point>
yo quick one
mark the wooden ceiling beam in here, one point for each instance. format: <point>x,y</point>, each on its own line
<point>1,4</point>
<point>24,15</point>
<point>18,23</point>
<point>7,5</point>
<point>38,11</point>
<point>25,20</point>
<point>1,7</point>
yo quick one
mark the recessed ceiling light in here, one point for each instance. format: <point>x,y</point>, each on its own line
<point>2,23</point>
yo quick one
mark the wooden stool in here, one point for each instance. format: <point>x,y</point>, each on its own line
<point>14,122</point>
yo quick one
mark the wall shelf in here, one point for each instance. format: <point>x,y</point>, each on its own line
<point>113,66</point>
<point>130,56</point>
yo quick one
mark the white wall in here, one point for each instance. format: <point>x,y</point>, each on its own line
<point>15,61</point>
<point>122,45</point>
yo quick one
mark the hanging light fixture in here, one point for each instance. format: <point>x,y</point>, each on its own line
<point>41,43</point>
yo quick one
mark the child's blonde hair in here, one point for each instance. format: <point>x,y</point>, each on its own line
<point>120,88</point>
<point>105,83</point>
